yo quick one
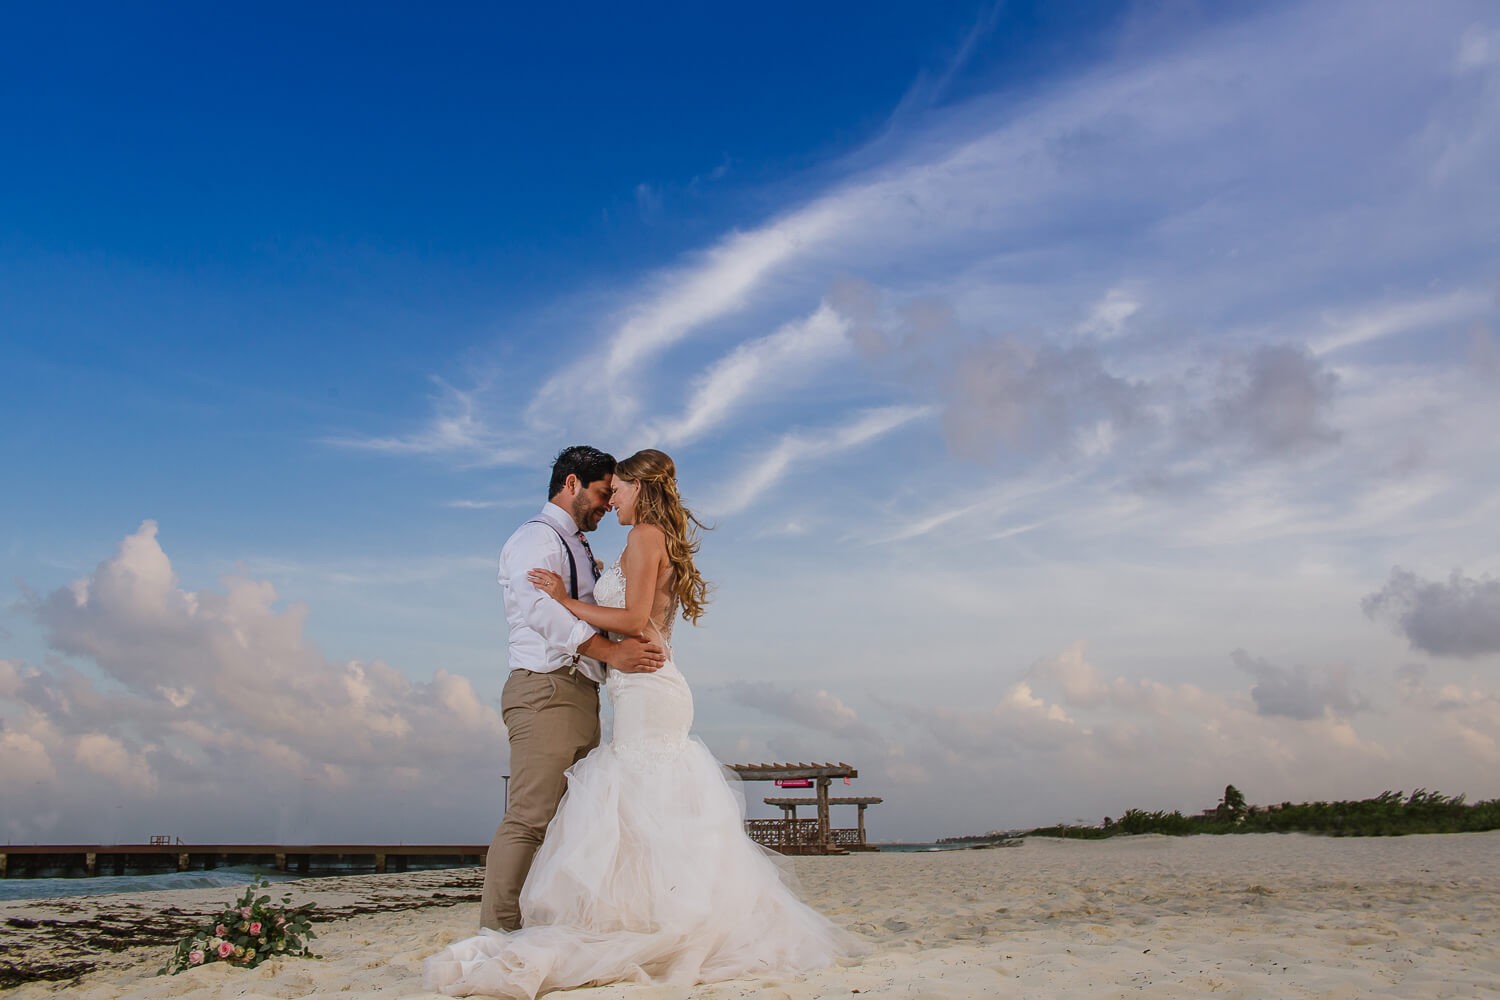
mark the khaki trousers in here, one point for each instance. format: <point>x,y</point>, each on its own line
<point>553,722</point>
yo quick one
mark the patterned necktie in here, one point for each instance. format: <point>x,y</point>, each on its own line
<point>593,563</point>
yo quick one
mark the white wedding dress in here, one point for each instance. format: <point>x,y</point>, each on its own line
<point>646,874</point>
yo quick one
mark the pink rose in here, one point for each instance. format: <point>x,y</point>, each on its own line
<point>255,929</point>
<point>195,957</point>
<point>220,931</point>
<point>245,912</point>
<point>225,949</point>
<point>280,920</point>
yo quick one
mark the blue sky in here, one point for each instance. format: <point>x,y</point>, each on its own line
<point>1094,401</point>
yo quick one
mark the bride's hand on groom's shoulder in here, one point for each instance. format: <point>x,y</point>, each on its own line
<point>548,583</point>
<point>637,655</point>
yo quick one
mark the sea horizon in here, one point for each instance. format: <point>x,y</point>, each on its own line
<point>60,886</point>
<point>232,877</point>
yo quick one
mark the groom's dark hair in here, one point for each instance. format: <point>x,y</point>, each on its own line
<point>588,464</point>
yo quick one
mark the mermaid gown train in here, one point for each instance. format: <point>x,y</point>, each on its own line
<point>646,874</point>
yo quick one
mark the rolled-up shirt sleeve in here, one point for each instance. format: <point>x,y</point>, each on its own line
<point>539,546</point>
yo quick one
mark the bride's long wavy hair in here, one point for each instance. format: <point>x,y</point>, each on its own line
<point>658,503</point>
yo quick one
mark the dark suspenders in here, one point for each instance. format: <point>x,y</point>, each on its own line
<point>568,549</point>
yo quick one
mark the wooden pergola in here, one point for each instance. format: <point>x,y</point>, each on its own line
<point>789,809</point>
<point>788,836</point>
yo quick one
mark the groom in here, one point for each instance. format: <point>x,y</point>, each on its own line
<point>551,699</point>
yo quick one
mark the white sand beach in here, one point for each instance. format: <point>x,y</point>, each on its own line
<point>1260,915</point>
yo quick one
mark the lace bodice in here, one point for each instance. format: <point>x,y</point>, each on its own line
<point>609,592</point>
<point>652,711</point>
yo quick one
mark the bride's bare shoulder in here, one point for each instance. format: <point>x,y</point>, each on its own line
<point>646,534</point>
<point>645,547</point>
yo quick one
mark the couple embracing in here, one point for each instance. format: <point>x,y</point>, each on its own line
<point>626,862</point>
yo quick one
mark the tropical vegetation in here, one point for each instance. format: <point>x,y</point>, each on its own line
<point>1390,814</point>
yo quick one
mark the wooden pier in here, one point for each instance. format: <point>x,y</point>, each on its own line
<point>84,860</point>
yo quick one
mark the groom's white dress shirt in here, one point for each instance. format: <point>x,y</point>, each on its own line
<point>543,636</point>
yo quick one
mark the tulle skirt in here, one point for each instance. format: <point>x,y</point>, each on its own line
<point>646,875</point>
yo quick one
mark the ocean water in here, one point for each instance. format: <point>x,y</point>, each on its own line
<point>53,888</point>
<point>950,846</point>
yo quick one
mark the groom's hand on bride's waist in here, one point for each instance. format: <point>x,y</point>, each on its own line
<point>631,655</point>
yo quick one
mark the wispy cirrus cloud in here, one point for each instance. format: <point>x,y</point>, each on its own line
<point>718,284</point>
<point>456,431</point>
<point>761,367</point>
<point>477,504</point>
<point>759,474</point>
<point>1348,329</point>
<point>1021,497</point>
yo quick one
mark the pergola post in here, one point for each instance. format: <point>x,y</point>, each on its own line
<point>861,824</point>
<point>825,836</point>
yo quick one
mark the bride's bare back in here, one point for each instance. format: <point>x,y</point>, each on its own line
<point>645,548</point>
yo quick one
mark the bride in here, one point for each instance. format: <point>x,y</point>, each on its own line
<point>646,874</point>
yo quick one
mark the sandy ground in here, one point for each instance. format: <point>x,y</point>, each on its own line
<point>1260,915</point>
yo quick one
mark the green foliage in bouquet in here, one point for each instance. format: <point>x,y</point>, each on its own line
<point>249,932</point>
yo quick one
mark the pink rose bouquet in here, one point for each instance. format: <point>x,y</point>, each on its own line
<point>247,933</point>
